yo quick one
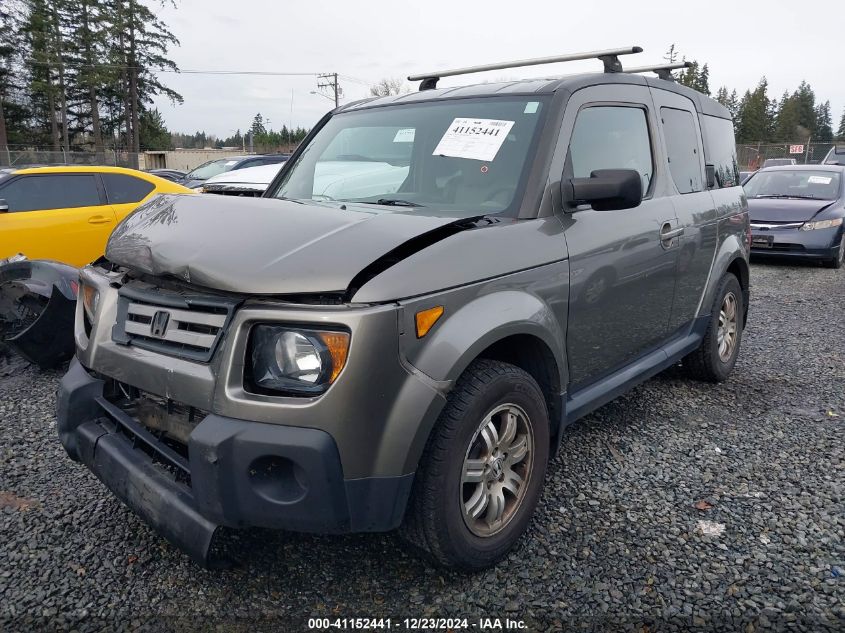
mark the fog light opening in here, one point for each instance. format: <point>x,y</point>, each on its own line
<point>277,479</point>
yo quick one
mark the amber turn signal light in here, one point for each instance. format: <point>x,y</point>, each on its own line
<point>426,319</point>
<point>338,345</point>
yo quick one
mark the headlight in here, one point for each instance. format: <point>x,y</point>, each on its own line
<point>821,224</point>
<point>90,301</point>
<point>293,360</point>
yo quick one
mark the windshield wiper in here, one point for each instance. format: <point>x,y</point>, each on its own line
<point>786,195</point>
<point>395,202</point>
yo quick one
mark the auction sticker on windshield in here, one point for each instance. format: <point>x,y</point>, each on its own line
<point>476,139</point>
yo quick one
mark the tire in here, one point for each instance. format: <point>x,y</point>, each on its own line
<point>435,521</point>
<point>706,363</point>
<point>838,261</point>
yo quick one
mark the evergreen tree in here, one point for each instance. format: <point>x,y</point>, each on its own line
<point>139,48</point>
<point>840,133</point>
<point>257,126</point>
<point>153,132</point>
<point>9,45</point>
<point>753,115</point>
<point>824,123</point>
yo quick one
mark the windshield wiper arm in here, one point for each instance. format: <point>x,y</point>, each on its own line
<point>395,202</point>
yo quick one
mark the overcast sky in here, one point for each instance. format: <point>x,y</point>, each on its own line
<point>364,41</point>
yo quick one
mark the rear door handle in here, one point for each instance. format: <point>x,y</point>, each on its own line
<point>98,219</point>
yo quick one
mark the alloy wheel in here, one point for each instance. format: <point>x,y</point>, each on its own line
<point>728,331</point>
<point>496,470</point>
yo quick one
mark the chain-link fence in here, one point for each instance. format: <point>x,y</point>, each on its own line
<point>751,156</point>
<point>34,157</point>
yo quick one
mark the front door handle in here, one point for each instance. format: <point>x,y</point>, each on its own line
<point>668,233</point>
<point>98,219</point>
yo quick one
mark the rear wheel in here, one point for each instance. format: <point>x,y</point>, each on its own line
<point>715,358</point>
<point>482,471</point>
<point>839,260</point>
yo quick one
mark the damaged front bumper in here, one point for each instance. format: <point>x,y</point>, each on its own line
<point>37,306</point>
<point>236,473</point>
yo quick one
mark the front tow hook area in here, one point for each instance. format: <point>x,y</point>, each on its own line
<point>134,479</point>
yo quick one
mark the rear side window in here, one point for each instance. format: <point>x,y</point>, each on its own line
<point>721,150</point>
<point>611,137</point>
<point>123,189</point>
<point>55,191</point>
<point>682,149</point>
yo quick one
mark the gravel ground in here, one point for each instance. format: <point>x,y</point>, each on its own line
<point>616,544</point>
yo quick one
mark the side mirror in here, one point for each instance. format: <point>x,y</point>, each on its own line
<point>605,190</point>
<point>710,174</point>
<point>4,206</point>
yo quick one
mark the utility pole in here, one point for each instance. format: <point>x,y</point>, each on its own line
<point>330,81</point>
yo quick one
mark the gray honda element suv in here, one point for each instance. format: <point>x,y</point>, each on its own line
<point>397,334</point>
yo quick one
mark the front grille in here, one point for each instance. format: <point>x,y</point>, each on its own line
<point>187,326</point>
<point>775,226</point>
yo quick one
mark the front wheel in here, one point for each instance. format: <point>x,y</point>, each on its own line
<point>482,471</point>
<point>715,358</point>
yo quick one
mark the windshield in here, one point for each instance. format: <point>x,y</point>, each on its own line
<point>804,183</point>
<point>777,162</point>
<point>211,168</point>
<point>836,157</point>
<point>467,156</point>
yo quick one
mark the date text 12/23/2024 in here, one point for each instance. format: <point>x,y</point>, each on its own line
<point>416,624</point>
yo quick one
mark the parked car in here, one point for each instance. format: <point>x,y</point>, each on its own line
<point>777,162</point>
<point>406,350</point>
<point>797,212</point>
<point>744,176</point>
<point>197,176</point>
<point>67,213</point>
<point>836,156</point>
<point>174,175</point>
<point>250,182</point>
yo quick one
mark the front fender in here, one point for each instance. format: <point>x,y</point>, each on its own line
<point>532,302</point>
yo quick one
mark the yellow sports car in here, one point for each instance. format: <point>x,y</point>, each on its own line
<point>67,213</point>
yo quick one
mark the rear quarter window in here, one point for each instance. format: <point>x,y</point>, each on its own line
<point>123,189</point>
<point>721,150</point>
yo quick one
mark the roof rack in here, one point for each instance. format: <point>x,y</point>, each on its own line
<point>610,58</point>
<point>663,71</point>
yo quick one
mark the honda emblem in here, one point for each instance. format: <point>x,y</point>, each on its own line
<point>158,325</point>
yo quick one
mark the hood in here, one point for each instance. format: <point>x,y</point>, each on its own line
<point>190,183</point>
<point>784,209</point>
<point>261,175</point>
<point>264,245</point>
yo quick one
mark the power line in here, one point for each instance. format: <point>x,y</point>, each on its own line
<point>186,71</point>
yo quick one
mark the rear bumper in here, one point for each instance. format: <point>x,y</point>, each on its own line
<point>236,473</point>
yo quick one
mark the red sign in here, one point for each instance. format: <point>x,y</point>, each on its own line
<point>796,149</point>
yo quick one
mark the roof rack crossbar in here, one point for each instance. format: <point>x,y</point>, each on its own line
<point>610,58</point>
<point>663,71</point>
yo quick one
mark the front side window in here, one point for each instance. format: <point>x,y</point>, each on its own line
<point>721,150</point>
<point>463,156</point>
<point>59,191</point>
<point>123,189</point>
<point>611,137</point>
<point>794,183</point>
<point>681,136</point>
